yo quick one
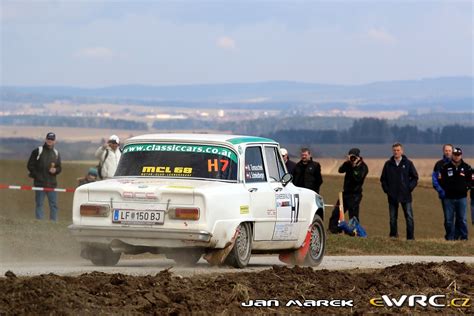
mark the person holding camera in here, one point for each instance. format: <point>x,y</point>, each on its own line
<point>355,170</point>
<point>109,156</point>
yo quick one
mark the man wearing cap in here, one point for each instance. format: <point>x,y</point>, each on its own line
<point>109,156</point>
<point>44,165</point>
<point>307,172</point>
<point>355,170</point>
<point>290,165</point>
<point>456,177</point>
<point>399,178</point>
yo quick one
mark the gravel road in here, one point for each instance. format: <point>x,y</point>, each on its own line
<point>257,263</point>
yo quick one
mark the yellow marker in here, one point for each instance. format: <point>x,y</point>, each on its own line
<point>244,209</point>
<point>179,187</point>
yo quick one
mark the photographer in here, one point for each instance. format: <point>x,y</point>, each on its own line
<point>356,170</point>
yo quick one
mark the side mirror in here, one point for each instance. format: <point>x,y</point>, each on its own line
<point>287,177</point>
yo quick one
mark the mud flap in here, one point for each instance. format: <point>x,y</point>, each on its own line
<point>297,256</point>
<point>217,256</point>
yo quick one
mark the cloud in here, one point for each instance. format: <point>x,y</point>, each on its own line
<point>225,42</point>
<point>380,35</point>
<point>97,52</point>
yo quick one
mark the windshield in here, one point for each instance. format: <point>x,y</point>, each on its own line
<point>178,160</point>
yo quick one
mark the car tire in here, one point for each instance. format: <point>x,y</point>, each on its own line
<point>185,257</point>
<point>240,254</point>
<point>317,244</point>
<point>104,257</point>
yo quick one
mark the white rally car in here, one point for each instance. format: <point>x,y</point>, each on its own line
<point>188,195</point>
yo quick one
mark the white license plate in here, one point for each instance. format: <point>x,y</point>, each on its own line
<point>149,217</point>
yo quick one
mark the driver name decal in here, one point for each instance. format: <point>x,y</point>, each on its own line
<point>166,170</point>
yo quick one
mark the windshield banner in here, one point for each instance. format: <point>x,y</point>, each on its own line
<point>215,150</point>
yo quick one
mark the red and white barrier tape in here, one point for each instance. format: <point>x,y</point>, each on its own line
<point>30,188</point>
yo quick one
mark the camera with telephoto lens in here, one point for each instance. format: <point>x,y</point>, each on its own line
<point>353,158</point>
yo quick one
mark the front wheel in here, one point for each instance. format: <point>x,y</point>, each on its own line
<point>317,243</point>
<point>239,256</point>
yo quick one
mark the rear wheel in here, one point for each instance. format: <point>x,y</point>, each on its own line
<point>317,244</point>
<point>104,256</point>
<point>185,257</point>
<point>239,256</point>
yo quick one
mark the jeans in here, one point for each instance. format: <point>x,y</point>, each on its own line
<point>455,219</point>
<point>53,205</point>
<point>408,211</point>
<point>472,210</point>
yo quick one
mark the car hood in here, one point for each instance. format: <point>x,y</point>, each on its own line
<point>153,190</point>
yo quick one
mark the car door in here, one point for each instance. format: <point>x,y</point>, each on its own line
<point>287,199</point>
<point>262,196</point>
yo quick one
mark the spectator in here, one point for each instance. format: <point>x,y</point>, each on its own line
<point>456,177</point>
<point>109,156</point>
<point>44,165</point>
<point>399,178</point>
<point>355,171</point>
<point>436,175</point>
<point>290,165</point>
<point>91,176</point>
<point>307,173</point>
<point>472,200</point>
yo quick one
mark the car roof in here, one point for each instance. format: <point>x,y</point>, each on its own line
<point>205,138</point>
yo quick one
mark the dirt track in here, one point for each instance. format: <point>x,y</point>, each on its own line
<point>164,293</point>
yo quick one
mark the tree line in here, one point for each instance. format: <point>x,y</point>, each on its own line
<point>72,121</point>
<point>377,131</point>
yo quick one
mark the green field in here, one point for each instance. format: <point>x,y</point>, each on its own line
<point>20,234</point>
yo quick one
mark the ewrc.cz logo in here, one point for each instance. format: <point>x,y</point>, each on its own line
<point>420,300</point>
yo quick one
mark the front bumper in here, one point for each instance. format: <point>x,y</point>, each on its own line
<point>138,236</point>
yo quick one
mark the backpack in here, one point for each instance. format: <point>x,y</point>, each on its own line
<point>40,151</point>
<point>101,163</point>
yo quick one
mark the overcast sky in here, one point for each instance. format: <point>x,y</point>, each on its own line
<point>101,43</point>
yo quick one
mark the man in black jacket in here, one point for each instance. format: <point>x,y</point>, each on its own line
<point>456,177</point>
<point>399,178</point>
<point>356,170</point>
<point>44,165</point>
<point>307,173</point>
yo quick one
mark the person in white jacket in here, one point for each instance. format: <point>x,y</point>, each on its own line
<point>109,157</point>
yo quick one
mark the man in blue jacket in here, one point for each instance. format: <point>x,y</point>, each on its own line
<point>399,178</point>
<point>436,176</point>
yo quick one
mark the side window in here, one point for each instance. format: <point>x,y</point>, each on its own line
<point>281,166</point>
<point>254,169</point>
<point>273,164</point>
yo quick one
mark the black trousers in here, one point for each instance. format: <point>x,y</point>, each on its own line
<point>351,205</point>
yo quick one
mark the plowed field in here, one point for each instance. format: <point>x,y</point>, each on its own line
<point>167,293</point>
